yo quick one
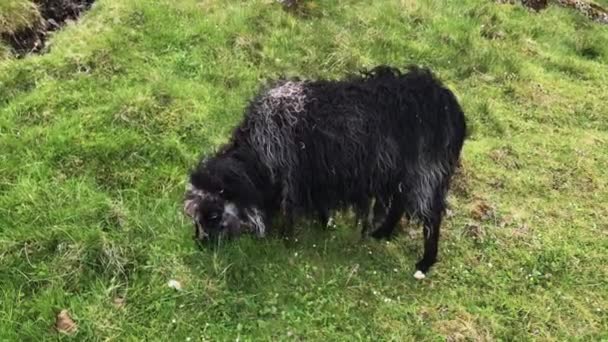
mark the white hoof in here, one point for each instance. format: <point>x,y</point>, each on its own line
<point>419,275</point>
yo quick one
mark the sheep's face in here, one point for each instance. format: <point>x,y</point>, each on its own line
<point>216,218</point>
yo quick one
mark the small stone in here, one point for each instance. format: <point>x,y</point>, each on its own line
<point>64,323</point>
<point>419,275</point>
<point>449,213</point>
<point>482,211</point>
<point>119,302</point>
<point>174,284</point>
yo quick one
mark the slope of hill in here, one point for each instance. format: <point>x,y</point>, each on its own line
<point>97,136</point>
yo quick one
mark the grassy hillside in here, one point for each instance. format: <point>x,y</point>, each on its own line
<point>15,15</point>
<point>97,136</point>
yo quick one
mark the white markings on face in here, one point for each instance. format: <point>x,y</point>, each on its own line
<point>231,212</point>
<point>192,199</point>
<point>230,215</point>
<point>231,209</point>
<point>201,234</point>
<point>192,189</point>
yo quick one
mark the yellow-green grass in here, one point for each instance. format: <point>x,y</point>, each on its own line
<point>17,14</point>
<point>97,137</point>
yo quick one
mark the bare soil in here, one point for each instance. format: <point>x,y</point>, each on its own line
<point>55,14</point>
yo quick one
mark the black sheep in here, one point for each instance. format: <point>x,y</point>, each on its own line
<point>309,148</point>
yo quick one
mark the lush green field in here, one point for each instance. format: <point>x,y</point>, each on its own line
<point>97,136</point>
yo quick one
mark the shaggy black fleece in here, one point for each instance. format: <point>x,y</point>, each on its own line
<point>308,148</point>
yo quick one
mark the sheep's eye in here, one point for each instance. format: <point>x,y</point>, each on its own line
<point>213,217</point>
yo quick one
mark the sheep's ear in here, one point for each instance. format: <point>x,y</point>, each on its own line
<point>192,200</point>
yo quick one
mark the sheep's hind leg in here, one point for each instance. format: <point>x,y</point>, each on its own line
<point>395,212</point>
<point>431,226</point>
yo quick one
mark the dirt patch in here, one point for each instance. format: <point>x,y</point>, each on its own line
<point>536,5</point>
<point>301,8</point>
<point>119,302</point>
<point>64,323</point>
<point>461,182</point>
<point>482,211</point>
<point>589,9</point>
<point>53,15</point>
<point>506,157</point>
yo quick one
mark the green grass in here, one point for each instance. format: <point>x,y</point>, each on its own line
<point>17,14</point>
<point>97,136</point>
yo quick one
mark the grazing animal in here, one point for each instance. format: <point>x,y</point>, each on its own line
<point>306,149</point>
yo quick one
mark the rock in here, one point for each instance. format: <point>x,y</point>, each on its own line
<point>64,323</point>
<point>119,302</point>
<point>174,284</point>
